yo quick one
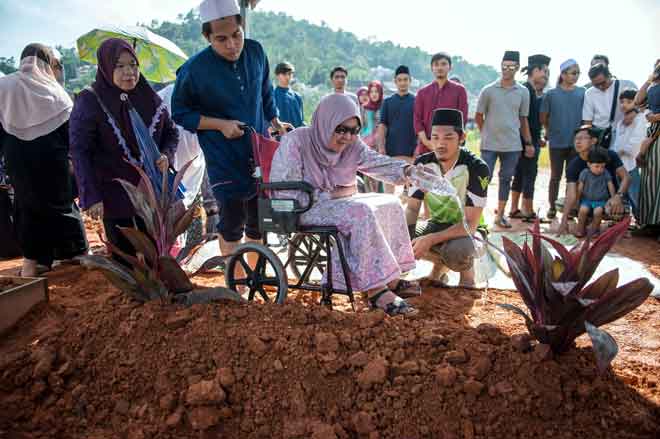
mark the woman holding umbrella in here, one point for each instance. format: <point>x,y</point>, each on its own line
<point>104,142</point>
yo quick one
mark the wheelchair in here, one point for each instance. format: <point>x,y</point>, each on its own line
<point>256,269</point>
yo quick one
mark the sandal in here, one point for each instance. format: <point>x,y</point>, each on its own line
<point>517,214</point>
<point>406,289</point>
<point>552,213</point>
<point>502,222</point>
<point>396,307</point>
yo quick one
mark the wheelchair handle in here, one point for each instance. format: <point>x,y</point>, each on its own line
<point>301,186</point>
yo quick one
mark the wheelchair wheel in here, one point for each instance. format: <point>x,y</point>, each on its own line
<point>267,281</point>
<point>302,248</point>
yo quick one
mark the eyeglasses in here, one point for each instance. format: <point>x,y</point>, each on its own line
<point>512,68</point>
<point>343,129</point>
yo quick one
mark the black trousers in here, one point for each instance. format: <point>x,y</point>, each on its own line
<point>45,234</point>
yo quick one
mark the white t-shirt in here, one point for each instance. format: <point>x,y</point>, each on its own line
<point>187,150</point>
<point>598,104</point>
<point>628,140</point>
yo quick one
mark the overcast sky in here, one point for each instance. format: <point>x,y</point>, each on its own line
<point>478,30</point>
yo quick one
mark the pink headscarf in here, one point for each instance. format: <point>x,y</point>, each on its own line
<point>371,105</point>
<point>323,168</point>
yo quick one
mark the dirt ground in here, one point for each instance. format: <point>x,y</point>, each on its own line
<point>92,364</point>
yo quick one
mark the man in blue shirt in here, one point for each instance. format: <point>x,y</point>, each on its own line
<point>396,132</point>
<point>289,103</point>
<point>217,92</point>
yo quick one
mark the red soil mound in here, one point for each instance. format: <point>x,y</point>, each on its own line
<point>92,364</point>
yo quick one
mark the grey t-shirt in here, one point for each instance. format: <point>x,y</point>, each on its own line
<point>502,109</point>
<point>595,186</point>
<point>564,110</point>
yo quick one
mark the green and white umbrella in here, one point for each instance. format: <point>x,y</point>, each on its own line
<point>159,57</point>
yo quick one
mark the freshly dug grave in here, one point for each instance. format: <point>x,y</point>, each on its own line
<point>92,364</point>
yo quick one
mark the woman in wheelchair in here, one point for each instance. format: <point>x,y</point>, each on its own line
<point>372,227</point>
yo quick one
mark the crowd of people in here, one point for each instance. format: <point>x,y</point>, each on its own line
<point>60,155</point>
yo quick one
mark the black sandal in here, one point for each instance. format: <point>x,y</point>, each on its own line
<point>397,307</point>
<point>406,289</point>
<point>517,214</point>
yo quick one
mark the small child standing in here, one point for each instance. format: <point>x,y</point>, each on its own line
<point>630,132</point>
<point>595,187</point>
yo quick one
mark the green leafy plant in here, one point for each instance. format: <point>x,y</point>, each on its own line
<point>562,303</point>
<point>153,273</point>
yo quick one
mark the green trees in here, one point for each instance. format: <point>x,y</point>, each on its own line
<point>315,50</point>
<point>7,65</point>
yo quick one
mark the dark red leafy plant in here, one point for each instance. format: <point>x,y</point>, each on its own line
<point>554,288</point>
<point>153,272</point>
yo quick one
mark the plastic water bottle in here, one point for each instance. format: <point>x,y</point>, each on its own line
<point>430,182</point>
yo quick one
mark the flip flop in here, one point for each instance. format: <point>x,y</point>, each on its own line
<point>517,214</point>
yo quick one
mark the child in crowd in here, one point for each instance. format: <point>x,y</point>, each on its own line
<point>595,187</point>
<point>630,133</point>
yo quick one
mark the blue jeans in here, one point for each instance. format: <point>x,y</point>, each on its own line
<point>633,190</point>
<point>508,163</point>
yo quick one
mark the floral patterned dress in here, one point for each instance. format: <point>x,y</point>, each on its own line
<point>372,227</point>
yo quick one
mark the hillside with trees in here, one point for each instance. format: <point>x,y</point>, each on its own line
<point>316,49</point>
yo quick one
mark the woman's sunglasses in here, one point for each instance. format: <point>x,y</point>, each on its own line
<point>343,129</point>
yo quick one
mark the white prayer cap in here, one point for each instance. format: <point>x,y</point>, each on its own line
<point>210,10</point>
<point>57,54</point>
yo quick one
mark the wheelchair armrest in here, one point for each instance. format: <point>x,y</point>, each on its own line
<point>301,186</point>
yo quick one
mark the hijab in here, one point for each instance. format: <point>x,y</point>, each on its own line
<point>371,105</point>
<point>323,168</point>
<point>32,102</point>
<point>145,101</point>
<point>362,91</point>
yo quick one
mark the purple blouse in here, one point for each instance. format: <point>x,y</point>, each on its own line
<point>99,154</point>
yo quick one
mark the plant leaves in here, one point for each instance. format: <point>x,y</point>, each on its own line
<point>141,243</point>
<point>600,286</point>
<point>557,269</point>
<point>586,302</point>
<point>115,273</point>
<point>605,347</point>
<point>564,288</point>
<point>142,206</point>
<point>173,276</point>
<point>617,303</point>
<point>209,264</point>
<point>182,224</point>
<point>518,311</point>
<point>522,275</point>
<point>601,246</point>
<point>152,287</point>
